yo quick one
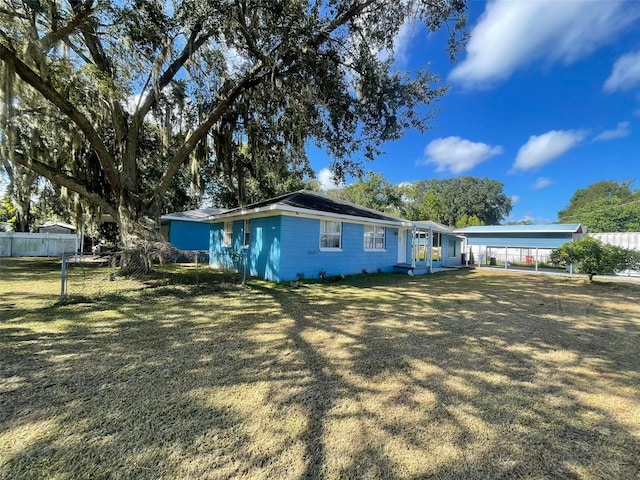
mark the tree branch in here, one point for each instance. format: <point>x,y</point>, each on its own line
<point>92,42</point>
<point>9,13</point>
<point>193,44</point>
<point>60,34</point>
<point>59,178</point>
<point>228,97</point>
<point>250,79</point>
<point>67,108</point>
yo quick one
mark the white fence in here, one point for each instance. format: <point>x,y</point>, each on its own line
<point>15,244</point>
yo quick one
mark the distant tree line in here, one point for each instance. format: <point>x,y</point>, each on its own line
<point>605,206</point>
<point>460,201</point>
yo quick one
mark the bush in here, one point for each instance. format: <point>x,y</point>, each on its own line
<point>594,258</point>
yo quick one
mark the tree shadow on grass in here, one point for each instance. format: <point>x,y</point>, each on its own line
<point>520,387</point>
<point>133,395</point>
<point>458,376</point>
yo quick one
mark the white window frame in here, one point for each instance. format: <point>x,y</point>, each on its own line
<point>247,233</point>
<point>227,234</point>
<point>325,234</point>
<point>377,236</point>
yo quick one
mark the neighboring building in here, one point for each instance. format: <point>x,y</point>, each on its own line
<point>188,230</point>
<point>525,244</point>
<point>628,240</point>
<point>308,235</point>
<point>56,227</point>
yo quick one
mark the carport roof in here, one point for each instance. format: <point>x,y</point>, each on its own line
<point>549,228</point>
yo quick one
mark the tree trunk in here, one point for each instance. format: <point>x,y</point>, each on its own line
<point>142,243</point>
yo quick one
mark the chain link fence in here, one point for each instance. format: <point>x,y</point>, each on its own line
<point>99,274</point>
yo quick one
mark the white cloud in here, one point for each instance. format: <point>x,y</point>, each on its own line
<point>636,113</point>
<point>457,155</point>
<point>541,149</point>
<point>541,182</point>
<point>515,199</point>
<point>622,130</point>
<point>513,34</point>
<point>402,43</point>
<point>325,177</point>
<point>625,73</point>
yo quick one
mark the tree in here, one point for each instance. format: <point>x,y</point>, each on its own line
<point>94,74</point>
<point>450,200</point>
<point>372,191</point>
<point>7,210</point>
<point>468,221</point>
<point>595,258</point>
<point>606,206</point>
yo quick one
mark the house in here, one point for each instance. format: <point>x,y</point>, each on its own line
<point>188,230</point>
<point>56,227</point>
<point>306,234</point>
<point>524,244</point>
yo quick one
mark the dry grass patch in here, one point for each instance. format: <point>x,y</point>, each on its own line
<point>462,375</point>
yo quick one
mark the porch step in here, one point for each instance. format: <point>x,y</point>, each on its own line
<point>411,270</point>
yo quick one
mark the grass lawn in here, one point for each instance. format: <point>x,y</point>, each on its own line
<point>467,375</point>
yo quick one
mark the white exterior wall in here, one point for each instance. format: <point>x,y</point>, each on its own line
<point>37,244</point>
<point>628,240</point>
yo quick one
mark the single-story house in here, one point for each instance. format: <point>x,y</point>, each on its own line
<point>56,227</point>
<point>525,244</point>
<point>188,230</point>
<point>309,235</point>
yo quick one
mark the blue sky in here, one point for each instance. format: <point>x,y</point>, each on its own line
<point>545,99</point>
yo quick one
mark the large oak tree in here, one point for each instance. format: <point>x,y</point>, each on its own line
<point>252,81</point>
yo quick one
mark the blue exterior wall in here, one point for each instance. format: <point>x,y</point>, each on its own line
<point>189,235</point>
<point>301,253</point>
<point>451,257</point>
<point>528,240</point>
<point>281,247</point>
<point>220,256</point>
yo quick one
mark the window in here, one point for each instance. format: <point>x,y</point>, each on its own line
<point>330,233</point>
<point>228,234</point>
<point>373,237</point>
<point>247,233</point>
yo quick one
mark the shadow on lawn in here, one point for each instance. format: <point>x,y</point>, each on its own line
<point>514,380</point>
<point>450,376</point>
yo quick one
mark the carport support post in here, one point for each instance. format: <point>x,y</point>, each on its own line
<point>536,259</point>
<point>506,257</point>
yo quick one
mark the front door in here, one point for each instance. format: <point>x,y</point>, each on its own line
<point>402,245</point>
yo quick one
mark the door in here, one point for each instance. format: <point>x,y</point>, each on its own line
<point>402,246</point>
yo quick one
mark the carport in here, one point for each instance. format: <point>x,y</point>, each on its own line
<point>517,245</point>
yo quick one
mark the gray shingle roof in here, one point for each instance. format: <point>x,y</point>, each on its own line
<point>317,202</point>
